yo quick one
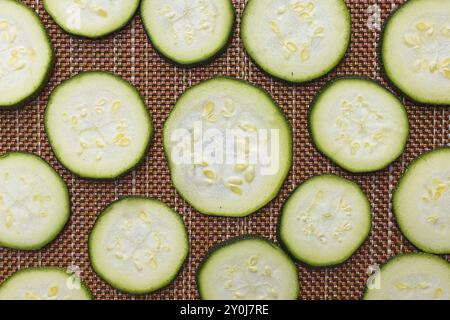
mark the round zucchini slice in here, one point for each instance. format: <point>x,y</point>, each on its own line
<point>26,54</point>
<point>229,147</point>
<point>422,202</point>
<point>188,32</point>
<point>296,41</point>
<point>248,268</point>
<point>325,220</point>
<point>98,125</point>
<point>138,245</point>
<point>415,50</point>
<point>412,276</point>
<point>359,125</point>
<point>34,202</point>
<point>43,284</point>
<point>91,18</point>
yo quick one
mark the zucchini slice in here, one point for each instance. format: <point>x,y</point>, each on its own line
<point>34,202</point>
<point>26,54</point>
<point>91,18</point>
<point>422,202</point>
<point>188,32</point>
<point>325,220</point>
<point>248,268</point>
<point>43,284</point>
<point>296,41</point>
<point>415,50</point>
<point>98,125</point>
<point>138,245</point>
<point>412,276</point>
<point>229,147</point>
<point>358,124</point>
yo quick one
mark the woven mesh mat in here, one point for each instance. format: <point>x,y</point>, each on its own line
<point>129,54</point>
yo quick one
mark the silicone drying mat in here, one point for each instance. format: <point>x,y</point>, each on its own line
<point>130,54</point>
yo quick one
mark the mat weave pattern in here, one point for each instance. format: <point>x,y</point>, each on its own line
<point>129,54</point>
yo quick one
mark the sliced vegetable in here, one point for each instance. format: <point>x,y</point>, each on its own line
<point>34,202</point>
<point>188,32</point>
<point>43,284</point>
<point>26,54</point>
<point>415,50</point>
<point>325,220</point>
<point>248,268</point>
<point>229,147</point>
<point>98,125</point>
<point>91,18</point>
<point>138,245</point>
<point>422,202</point>
<point>359,125</point>
<point>296,40</point>
<point>413,276</point>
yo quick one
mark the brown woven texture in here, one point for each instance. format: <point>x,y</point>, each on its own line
<point>130,54</point>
